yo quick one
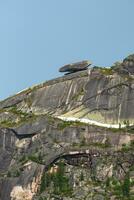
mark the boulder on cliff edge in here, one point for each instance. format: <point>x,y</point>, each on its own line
<point>74,67</point>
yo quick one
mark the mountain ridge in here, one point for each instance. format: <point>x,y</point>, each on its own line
<point>48,150</point>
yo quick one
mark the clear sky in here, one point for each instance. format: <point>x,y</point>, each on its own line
<point>39,36</point>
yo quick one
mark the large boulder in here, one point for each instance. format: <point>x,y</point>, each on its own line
<point>128,64</point>
<point>74,67</point>
<point>126,67</point>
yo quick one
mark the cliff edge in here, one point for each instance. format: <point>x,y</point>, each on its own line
<point>71,137</point>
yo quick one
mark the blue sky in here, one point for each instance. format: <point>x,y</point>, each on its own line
<point>39,36</point>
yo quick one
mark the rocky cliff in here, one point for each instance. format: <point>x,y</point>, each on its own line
<point>71,137</point>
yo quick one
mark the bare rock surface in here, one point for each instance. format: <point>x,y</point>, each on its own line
<point>45,158</point>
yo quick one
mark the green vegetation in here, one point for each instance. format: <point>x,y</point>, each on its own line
<point>96,144</point>
<point>13,173</point>
<point>81,176</point>
<point>23,159</point>
<point>130,129</point>
<point>126,186</point>
<point>126,123</point>
<point>121,189</point>
<point>7,123</point>
<point>59,180</point>
<point>128,147</point>
<point>21,117</point>
<point>51,119</point>
<point>45,181</point>
<point>84,143</point>
<point>107,71</point>
<point>63,124</point>
<point>36,158</point>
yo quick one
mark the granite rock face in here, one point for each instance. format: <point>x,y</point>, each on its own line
<point>45,158</point>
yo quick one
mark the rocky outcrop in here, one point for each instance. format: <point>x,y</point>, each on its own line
<point>127,66</point>
<point>43,157</point>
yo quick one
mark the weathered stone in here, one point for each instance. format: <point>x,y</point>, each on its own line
<point>74,67</point>
<point>34,143</point>
<point>128,64</point>
<point>126,67</point>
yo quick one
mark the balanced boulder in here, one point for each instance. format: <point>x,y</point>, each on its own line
<point>74,67</point>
